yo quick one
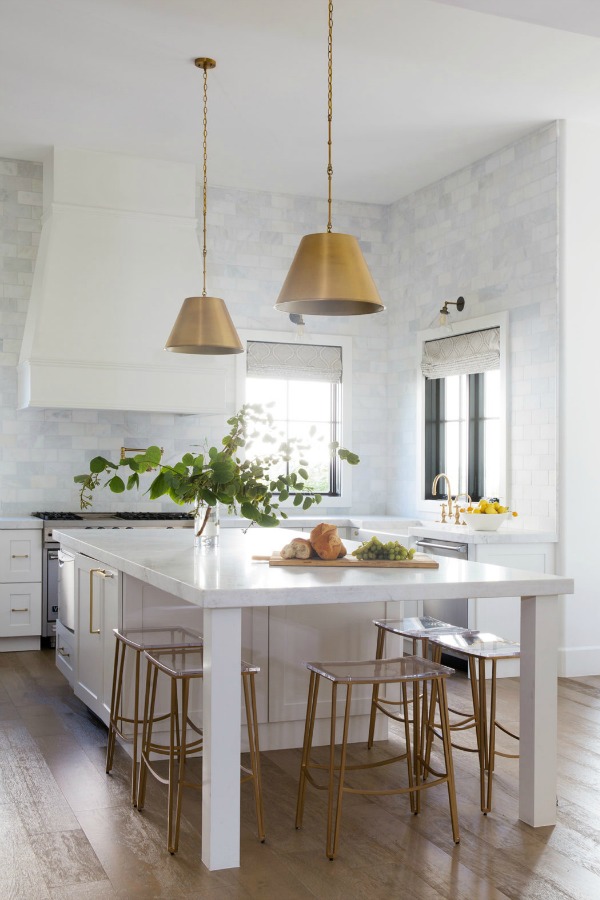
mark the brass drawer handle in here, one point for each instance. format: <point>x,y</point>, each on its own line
<point>103,574</point>
<point>20,556</point>
<point>20,609</point>
<point>61,652</point>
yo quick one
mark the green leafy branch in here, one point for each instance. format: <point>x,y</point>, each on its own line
<point>247,486</point>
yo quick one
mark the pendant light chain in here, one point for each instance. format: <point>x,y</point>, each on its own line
<point>205,180</point>
<point>329,109</point>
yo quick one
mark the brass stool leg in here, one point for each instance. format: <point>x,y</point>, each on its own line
<point>149,701</point>
<point>410,752</point>
<point>173,751</point>
<point>484,752</point>
<point>332,846</point>
<point>114,708</point>
<point>136,723</point>
<point>446,740</point>
<point>185,696</point>
<point>492,746</point>
<point>252,724</point>
<point>375,693</point>
<point>311,709</point>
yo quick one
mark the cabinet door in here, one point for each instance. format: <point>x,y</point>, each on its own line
<point>96,614</point>
<point>20,555</point>
<point>20,610</point>
<point>502,615</point>
<point>299,633</point>
<point>65,652</point>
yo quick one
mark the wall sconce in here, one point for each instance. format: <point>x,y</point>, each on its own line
<point>445,312</point>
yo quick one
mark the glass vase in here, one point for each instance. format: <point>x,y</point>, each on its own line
<point>206,528</point>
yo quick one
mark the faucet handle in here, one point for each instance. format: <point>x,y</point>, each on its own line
<point>443,513</point>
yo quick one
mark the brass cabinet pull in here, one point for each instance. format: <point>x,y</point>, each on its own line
<point>20,556</point>
<point>61,652</point>
<point>20,609</point>
<point>103,574</point>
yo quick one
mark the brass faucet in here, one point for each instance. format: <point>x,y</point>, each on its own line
<point>457,510</point>
<point>434,492</point>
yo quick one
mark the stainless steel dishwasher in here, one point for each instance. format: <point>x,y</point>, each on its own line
<point>456,612</point>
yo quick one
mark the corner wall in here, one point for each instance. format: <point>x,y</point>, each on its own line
<point>580,426</point>
<point>488,232</point>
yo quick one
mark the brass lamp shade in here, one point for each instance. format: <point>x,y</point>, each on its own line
<point>329,277</point>
<point>204,326</point>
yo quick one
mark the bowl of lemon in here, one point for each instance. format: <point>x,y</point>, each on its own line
<point>488,515</point>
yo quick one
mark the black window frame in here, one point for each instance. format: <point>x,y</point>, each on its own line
<point>435,428</point>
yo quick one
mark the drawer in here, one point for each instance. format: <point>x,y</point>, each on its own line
<point>65,652</point>
<point>20,610</point>
<point>20,556</point>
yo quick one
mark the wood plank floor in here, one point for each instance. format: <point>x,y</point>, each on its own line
<point>67,830</point>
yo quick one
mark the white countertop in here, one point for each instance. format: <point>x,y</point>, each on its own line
<point>230,578</point>
<point>8,522</point>
<point>506,534</point>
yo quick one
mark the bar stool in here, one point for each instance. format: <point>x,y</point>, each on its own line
<point>418,629</point>
<point>479,647</point>
<point>137,640</point>
<point>182,666</point>
<point>403,671</point>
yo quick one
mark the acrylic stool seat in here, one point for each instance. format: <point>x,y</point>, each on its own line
<point>181,667</point>
<point>479,648</point>
<point>136,641</point>
<point>421,775</point>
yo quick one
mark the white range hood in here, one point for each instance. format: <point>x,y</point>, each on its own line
<point>118,254</point>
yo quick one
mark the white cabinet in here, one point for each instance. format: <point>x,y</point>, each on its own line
<point>300,633</point>
<point>97,590</point>
<point>20,589</point>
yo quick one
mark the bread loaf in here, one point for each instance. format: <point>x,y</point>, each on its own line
<point>326,542</point>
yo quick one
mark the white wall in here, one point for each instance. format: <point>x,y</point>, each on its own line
<point>580,426</point>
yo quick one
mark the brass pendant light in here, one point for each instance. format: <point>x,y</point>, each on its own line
<point>204,324</point>
<point>328,275</point>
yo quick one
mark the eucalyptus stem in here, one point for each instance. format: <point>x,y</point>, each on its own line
<point>204,520</point>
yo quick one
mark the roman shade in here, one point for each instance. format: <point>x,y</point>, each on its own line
<point>300,362</point>
<point>462,354</point>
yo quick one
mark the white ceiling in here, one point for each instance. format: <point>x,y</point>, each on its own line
<point>421,88</point>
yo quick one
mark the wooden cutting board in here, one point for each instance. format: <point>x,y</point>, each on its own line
<point>419,561</point>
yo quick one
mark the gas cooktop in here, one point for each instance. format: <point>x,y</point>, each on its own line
<point>100,516</point>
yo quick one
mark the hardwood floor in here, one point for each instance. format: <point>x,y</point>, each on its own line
<point>67,830</point>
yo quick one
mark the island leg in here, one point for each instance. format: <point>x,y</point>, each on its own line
<point>538,726</point>
<point>222,738</point>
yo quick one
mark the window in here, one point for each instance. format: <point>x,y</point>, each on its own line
<point>301,383</point>
<point>463,413</point>
<point>462,425</point>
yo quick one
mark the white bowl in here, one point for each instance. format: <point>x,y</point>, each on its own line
<point>484,522</point>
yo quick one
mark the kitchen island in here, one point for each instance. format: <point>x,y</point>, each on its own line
<point>224,583</point>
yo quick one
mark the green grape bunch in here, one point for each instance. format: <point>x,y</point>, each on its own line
<point>375,549</point>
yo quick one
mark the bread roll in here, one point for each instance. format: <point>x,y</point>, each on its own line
<point>302,548</point>
<point>326,542</point>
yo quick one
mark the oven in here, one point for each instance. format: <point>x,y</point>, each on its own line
<point>58,568</point>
